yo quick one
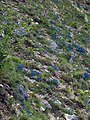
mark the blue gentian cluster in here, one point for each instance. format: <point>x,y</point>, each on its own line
<point>20,66</point>
<point>38,79</point>
<point>35,74</point>
<point>80,49</point>
<point>55,81</point>
<point>86,75</point>
<point>70,47</point>
<point>89,103</point>
<point>54,36</point>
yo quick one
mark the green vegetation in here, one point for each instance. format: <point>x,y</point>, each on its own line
<point>44,61</point>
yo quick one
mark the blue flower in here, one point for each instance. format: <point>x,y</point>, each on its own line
<point>25,71</point>
<point>34,72</point>
<point>70,48</point>
<point>85,61</point>
<point>47,50</point>
<point>49,87</point>
<point>81,49</point>
<point>54,67</point>
<point>89,103</point>
<point>23,106</point>
<point>51,21</point>
<point>17,22</point>
<point>54,36</point>
<point>40,31</point>
<point>54,53</point>
<point>69,35</point>
<point>86,74</point>
<point>26,97</point>
<point>77,46</point>
<point>20,66</point>
<point>38,79</point>
<point>55,81</point>
<point>30,113</point>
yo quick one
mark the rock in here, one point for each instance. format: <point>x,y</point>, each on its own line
<point>47,105</point>
<point>51,116</point>
<point>71,58</point>
<point>1,86</point>
<point>71,117</point>
<point>22,92</point>
<point>53,44</point>
<point>20,31</point>
<point>57,102</point>
<point>42,109</point>
<point>72,96</point>
<point>88,49</point>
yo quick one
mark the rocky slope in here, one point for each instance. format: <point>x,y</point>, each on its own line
<point>44,60</point>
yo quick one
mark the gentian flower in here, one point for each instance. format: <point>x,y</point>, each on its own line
<point>54,36</point>
<point>70,47</point>
<point>38,79</point>
<point>52,22</point>
<point>54,67</point>
<point>30,113</point>
<point>20,66</point>
<point>89,103</point>
<point>23,106</point>
<point>34,72</point>
<point>86,74</point>
<point>69,35</point>
<point>81,49</point>
<point>55,81</point>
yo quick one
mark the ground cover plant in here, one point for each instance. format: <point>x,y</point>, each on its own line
<point>44,60</point>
